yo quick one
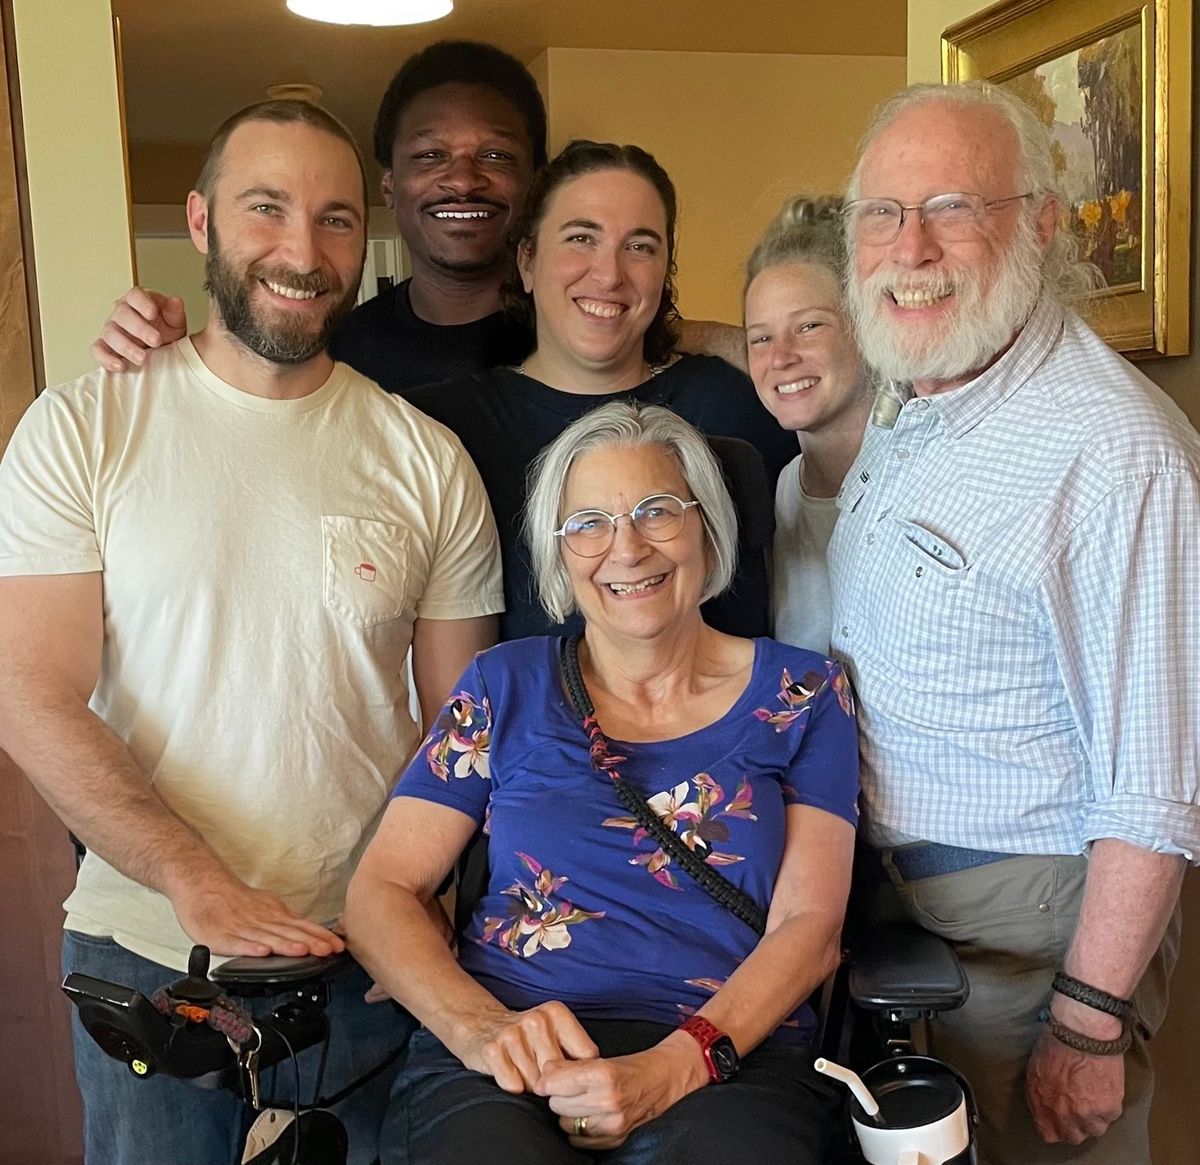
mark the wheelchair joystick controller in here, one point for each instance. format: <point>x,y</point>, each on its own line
<point>168,1034</point>
<point>195,987</point>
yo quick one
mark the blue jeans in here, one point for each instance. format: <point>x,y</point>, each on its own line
<point>128,1121</point>
<point>777,1109</point>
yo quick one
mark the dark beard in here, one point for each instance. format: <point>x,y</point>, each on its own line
<point>278,342</point>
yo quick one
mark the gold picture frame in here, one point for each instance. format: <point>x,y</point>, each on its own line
<point>1115,77</point>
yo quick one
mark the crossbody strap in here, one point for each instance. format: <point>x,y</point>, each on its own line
<point>711,881</point>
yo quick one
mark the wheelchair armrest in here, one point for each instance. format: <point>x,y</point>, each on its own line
<point>253,976</point>
<point>905,971</point>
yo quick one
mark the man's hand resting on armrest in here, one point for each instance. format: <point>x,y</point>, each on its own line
<point>231,918</point>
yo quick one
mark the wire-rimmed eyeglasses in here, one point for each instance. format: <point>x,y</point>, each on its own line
<point>950,218</point>
<point>658,518</point>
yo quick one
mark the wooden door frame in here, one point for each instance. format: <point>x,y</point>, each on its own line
<point>40,1112</point>
<point>20,338</point>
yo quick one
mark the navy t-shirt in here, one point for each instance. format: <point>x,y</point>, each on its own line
<point>582,906</point>
<point>389,344</point>
<point>504,419</point>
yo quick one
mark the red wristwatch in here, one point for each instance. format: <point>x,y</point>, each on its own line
<point>719,1053</point>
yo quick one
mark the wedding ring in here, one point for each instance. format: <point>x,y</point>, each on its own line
<point>581,1126</point>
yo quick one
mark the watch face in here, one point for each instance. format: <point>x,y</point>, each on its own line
<point>724,1057</point>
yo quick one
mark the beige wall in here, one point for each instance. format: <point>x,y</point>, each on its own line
<point>738,132</point>
<point>1177,1048</point>
<point>76,172</point>
<point>177,268</point>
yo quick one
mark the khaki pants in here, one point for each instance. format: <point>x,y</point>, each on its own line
<point>1011,923</point>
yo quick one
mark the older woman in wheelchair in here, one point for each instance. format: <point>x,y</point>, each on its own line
<point>671,815</point>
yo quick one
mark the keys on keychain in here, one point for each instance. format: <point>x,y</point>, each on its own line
<point>248,1063</point>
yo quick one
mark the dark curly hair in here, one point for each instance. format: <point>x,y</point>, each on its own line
<point>462,62</point>
<point>576,159</point>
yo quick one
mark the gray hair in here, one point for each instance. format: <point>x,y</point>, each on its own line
<point>806,230</point>
<point>624,425</point>
<point>1064,276</point>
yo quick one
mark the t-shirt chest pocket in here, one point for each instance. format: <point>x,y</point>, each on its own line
<point>365,569</point>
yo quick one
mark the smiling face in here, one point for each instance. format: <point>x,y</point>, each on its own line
<point>596,270</point>
<point>802,356</point>
<point>937,311</point>
<point>461,166</point>
<point>283,236</point>
<point>638,589</point>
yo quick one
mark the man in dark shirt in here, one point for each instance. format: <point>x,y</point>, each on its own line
<point>458,135</point>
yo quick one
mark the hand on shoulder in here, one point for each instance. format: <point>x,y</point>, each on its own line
<point>141,320</point>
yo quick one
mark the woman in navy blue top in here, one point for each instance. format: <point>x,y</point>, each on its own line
<point>603,1003</point>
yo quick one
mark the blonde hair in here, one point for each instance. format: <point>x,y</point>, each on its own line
<point>807,229</point>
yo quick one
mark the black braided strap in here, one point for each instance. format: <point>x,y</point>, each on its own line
<point>1081,1043</point>
<point>232,1020</point>
<point>711,881</point>
<point>1091,996</point>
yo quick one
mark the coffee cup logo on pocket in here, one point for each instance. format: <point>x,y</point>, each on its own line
<point>365,571</point>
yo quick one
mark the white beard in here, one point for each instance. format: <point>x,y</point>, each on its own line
<point>970,336</point>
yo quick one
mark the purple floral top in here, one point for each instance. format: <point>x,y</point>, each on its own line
<point>582,905</point>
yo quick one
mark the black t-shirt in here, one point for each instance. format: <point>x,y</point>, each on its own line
<point>385,341</point>
<point>504,419</point>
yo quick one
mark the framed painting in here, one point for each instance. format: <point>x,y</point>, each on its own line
<point>1112,82</point>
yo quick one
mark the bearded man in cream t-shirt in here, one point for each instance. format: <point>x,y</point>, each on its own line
<point>211,574</point>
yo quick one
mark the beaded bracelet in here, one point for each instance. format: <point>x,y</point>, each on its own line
<point>1085,993</point>
<point>1081,1043</point>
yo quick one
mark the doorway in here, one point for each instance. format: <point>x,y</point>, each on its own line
<point>40,1117</point>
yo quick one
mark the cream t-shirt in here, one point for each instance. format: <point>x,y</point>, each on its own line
<point>801,602</point>
<point>263,562</point>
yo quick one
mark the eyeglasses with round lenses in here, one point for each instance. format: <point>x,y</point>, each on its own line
<point>658,518</point>
<point>949,218</point>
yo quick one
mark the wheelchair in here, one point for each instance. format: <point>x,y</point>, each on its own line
<point>876,1010</point>
<point>192,1029</point>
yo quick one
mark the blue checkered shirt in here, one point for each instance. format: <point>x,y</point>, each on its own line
<point>1016,595</point>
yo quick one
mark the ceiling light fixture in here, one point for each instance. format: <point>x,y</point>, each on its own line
<point>295,91</point>
<point>376,12</point>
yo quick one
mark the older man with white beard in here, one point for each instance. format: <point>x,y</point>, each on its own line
<point>1016,579</point>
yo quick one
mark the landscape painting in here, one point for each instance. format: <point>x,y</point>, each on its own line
<point>1091,102</point>
<point>1111,80</point>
